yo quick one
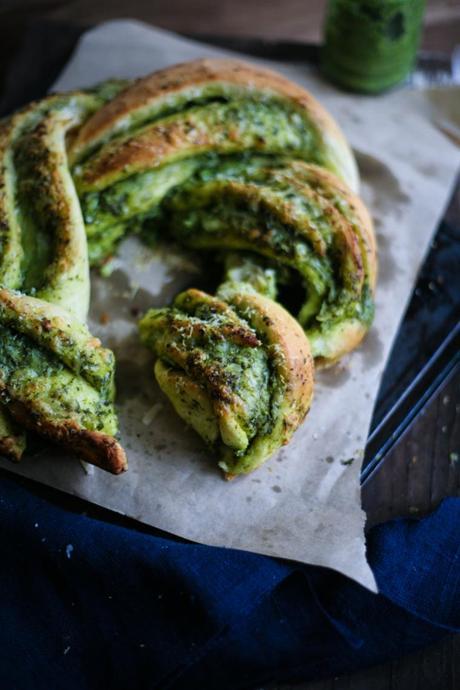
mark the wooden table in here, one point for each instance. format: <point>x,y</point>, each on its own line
<point>420,471</point>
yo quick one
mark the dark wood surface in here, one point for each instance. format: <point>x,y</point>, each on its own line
<point>425,465</point>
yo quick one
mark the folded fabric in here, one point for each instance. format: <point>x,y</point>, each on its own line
<point>87,604</point>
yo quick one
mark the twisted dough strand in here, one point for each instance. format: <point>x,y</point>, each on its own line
<point>54,377</point>
<point>237,369</point>
<point>176,88</point>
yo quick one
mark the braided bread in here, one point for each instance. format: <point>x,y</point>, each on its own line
<point>54,377</point>
<point>215,155</point>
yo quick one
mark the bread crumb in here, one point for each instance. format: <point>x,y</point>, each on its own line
<point>150,415</point>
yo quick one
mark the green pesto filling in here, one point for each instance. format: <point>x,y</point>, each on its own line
<point>37,251</point>
<point>201,213</point>
<point>200,220</point>
<point>242,370</point>
<point>38,227</point>
<point>104,244</point>
<point>36,376</point>
<point>211,94</point>
<point>244,272</point>
<point>224,225</point>
<point>131,197</point>
<point>249,142</point>
<point>204,213</point>
<point>130,205</point>
<point>219,128</point>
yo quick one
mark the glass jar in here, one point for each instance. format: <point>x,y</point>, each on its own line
<point>371,45</point>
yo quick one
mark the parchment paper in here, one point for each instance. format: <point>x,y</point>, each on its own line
<point>304,503</point>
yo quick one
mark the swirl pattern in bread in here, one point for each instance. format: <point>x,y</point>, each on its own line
<point>215,155</point>
<point>238,371</point>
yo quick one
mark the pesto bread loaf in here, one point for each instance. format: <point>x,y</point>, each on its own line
<point>218,156</point>
<point>238,370</point>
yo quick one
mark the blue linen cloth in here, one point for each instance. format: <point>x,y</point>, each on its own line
<point>87,604</point>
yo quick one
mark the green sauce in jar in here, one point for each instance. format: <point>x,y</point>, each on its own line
<point>371,45</point>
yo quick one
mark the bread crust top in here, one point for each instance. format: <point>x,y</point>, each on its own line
<point>160,86</point>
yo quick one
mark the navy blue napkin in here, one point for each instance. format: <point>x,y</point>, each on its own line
<point>87,604</point>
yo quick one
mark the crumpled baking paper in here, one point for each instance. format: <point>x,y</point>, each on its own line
<point>303,504</point>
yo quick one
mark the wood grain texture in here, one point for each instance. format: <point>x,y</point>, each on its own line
<point>423,468</point>
<point>292,19</point>
<point>299,19</point>
<point>435,668</point>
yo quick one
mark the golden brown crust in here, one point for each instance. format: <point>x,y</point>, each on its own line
<point>295,362</point>
<point>348,336</point>
<point>93,446</point>
<point>359,211</point>
<point>173,80</point>
<point>292,361</point>
<point>148,150</point>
